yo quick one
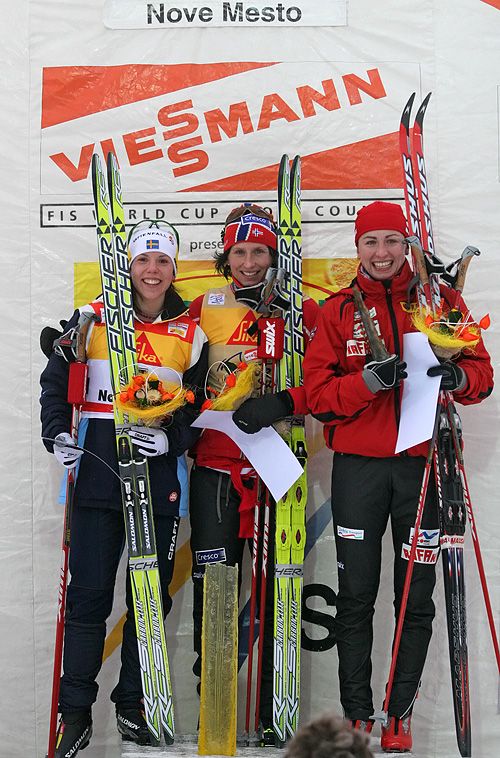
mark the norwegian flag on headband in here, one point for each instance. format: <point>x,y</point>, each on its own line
<point>250,228</point>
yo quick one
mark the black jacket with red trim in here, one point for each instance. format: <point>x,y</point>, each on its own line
<point>355,419</point>
<point>97,483</point>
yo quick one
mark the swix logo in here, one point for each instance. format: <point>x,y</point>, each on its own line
<point>240,335</point>
<point>183,131</point>
<point>424,200</point>
<point>145,352</point>
<point>270,335</point>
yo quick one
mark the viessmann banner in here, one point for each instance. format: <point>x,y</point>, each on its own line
<point>223,126</point>
<point>138,14</point>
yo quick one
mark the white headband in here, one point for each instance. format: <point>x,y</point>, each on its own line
<point>154,240</point>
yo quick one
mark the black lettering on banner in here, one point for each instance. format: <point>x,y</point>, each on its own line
<point>318,618</point>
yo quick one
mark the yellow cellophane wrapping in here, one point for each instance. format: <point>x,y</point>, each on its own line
<point>232,397</point>
<point>153,415</point>
<point>444,345</point>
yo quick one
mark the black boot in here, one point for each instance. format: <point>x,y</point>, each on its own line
<point>73,734</point>
<point>132,725</point>
<point>268,737</point>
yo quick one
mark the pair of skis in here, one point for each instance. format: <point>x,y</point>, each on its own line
<point>290,536</point>
<point>445,451</point>
<point>284,298</point>
<point>132,466</point>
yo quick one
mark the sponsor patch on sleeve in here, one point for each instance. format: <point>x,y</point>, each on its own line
<point>422,554</point>
<point>216,298</point>
<point>217,555</point>
<point>350,534</point>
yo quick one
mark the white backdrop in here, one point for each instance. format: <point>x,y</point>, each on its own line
<point>62,93</point>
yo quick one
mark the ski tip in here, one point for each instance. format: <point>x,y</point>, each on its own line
<point>421,111</point>
<point>405,116</point>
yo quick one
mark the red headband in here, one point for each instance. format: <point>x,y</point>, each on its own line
<point>380,215</point>
<point>250,228</point>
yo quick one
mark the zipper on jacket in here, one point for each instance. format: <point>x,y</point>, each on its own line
<point>397,345</point>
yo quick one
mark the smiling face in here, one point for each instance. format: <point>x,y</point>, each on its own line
<point>152,274</point>
<point>382,253</point>
<point>249,262</point>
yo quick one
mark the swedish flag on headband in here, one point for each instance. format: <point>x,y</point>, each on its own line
<point>153,244</point>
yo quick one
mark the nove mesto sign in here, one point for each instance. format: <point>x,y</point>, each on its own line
<point>139,14</point>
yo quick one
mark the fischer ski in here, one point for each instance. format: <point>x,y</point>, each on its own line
<point>132,466</point>
<point>290,510</point>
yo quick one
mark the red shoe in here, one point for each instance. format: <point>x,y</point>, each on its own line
<point>362,726</point>
<point>396,738</point>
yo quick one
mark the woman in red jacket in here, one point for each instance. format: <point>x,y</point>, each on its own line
<point>358,400</point>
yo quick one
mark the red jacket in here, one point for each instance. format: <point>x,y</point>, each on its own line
<point>357,420</point>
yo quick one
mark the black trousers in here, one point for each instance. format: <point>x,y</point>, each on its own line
<point>215,521</point>
<point>366,492</point>
<point>97,542</point>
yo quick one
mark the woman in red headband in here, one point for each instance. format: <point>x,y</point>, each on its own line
<point>223,483</point>
<point>358,400</point>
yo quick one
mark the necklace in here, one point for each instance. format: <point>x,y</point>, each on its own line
<point>151,316</point>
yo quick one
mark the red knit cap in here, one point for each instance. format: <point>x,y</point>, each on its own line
<point>380,215</point>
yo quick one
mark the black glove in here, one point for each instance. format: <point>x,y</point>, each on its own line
<point>452,376</point>
<point>48,336</point>
<point>384,375</point>
<point>257,412</point>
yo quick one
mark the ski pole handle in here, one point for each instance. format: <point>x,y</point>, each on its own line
<point>377,347</point>
<point>467,255</point>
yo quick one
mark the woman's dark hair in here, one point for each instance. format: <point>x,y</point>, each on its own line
<point>221,264</point>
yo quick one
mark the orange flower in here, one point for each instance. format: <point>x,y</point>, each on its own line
<point>230,380</point>
<point>189,396</point>
<point>207,405</point>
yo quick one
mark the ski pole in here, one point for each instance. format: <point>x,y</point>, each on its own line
<point>77,381</point>
<point>475,539</point>
<point>262,604</point>
<point>253,604</point>
<point>409,570</point>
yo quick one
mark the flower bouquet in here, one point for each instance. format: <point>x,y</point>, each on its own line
<point>450,330</point>
<point>151,399</point>
<point>239,385</point>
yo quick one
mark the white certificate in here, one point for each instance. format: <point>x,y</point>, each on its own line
<point>270,456</point>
